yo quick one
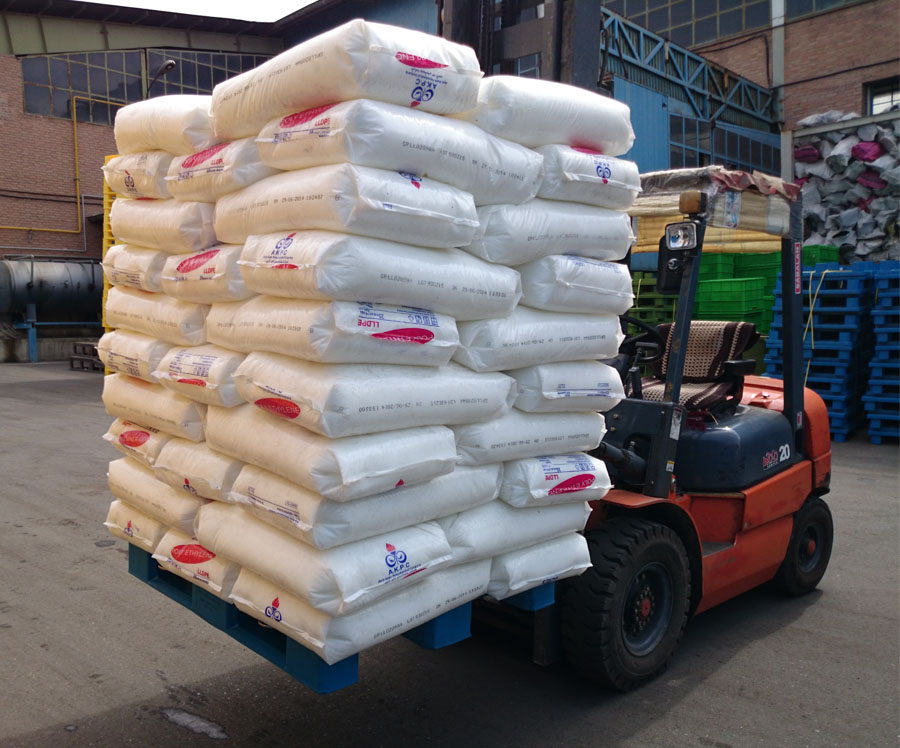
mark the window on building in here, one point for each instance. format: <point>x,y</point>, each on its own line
<point>529,66</point>
<point>97,84</point>
<point>800,8</point>
<point>883,96</point>
<point>694,142</point>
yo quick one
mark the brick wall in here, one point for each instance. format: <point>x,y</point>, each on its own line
<point>829,44</point>
<point>37,178</point>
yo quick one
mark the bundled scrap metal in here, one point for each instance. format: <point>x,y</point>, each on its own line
<point>851,182</point>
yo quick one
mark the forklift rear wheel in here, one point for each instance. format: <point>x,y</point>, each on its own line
<point>623,618</point>
<point>809,549</point>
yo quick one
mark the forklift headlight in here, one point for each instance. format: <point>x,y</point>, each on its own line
<point>681,236</point>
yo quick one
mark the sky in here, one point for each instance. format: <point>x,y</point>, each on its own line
<point>245,10</point>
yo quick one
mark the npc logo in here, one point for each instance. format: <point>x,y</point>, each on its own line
<point>273,612</point>
<point>395,560</point>
<point>129,182</point>
<point>283,244</point>
<point>413,179</point>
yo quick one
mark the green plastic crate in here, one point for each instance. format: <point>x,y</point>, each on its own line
<point>761,261</point>
<point>816,253</point>
<point>716,265</point>
<point>741,291</point>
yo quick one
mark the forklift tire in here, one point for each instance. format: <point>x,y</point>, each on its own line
<point>623,618</point>
<point>809,549</point>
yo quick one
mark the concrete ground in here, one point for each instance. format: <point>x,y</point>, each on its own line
<point>92,657</point>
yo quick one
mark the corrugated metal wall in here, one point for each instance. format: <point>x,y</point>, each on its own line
<point>650,119</point>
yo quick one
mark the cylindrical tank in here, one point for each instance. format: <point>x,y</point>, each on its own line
<point>61,291</point>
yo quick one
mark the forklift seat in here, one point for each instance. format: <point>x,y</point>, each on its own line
<point>713,370</point>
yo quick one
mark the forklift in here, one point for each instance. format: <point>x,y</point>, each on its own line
<point>718,475</point>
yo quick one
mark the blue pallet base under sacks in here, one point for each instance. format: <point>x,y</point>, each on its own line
<point>299,662</point>
<point>877,436</point>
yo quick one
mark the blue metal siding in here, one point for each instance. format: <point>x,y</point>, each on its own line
<point>650,119</point>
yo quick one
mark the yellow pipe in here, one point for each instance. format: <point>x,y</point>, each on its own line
<point>79,217</point>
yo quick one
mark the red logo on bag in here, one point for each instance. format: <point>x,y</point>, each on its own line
<point>298,118</point>
<point>133,438</point>
<point>390,548</point>
<point>276,602</point>
<point>195,261</point>
<point>406,335</point>
<point>589,151</point>
<point>193,553</point>
<point>198,158</point>
<point>576,483</point>
<point>285,266</point>
<point>399,483</point>
<point>414,61</point>
<point>279,406</point>
<point>195,382</point>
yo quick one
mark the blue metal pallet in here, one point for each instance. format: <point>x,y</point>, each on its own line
<point>887,338</point>
<point>301,663</point>
<point>882,405</point>
<point>886,317</point>
<point>834,319</point>
<point>889,370</point>
<point>842,405</point>
<point>885,354</point>
<point>877,436</point>
<point>888,387</point>
<point>827,340</point>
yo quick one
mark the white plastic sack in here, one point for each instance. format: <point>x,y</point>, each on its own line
<point>138,401</point>
<point>197,469</point>
<point>328,265</point>
<point>568,283</point>
<point>156,315</point>
<point>324,524</point>
<point>181,554</point>
<point>557,479</point>
<point>136,485</point>
<point>338,469</point>
<point>568,387</point>
<point>204,373</point>
<point>133,526</point>
<point>542,563</point>
<point>348,399</point>
<point>387,136</point>
<point>516,234</point>
<point>335,581</point>
<point>354,61</point>
<point>518,435</point>
<point>335,639</point>
<point>177,124</point>
<point>537,112</point>
<point>529,336</point>
<point>580,175</point>
<point>173,226</point>
<point>131,353</point>
<point>139,174</point>
<point>143,443</point>
<point>209,174</point>
<point>334,332</point>
<point>356,199</point>
<point>138,267</point>
<point>206,277</point>
<point>496,528</point>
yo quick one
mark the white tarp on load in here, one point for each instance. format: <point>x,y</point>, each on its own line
<point>178,124</point>
<point>339,469</point>
<point>555,479</point>
<point>169,225</point>
<point>517,435</point>
<point>356,199</point>
<point>335,639</point>
<point>529,336</point>
<point>537,112</point>
<point>197,469</point>
<point>516,234</point>
<point>336,581</point>
<point>387,136</point>
<point>138,487</point>
<point>324,524</point>
<point>354,61</point>
<point>209,174</point>
<point>567,283</point>
<point>204,373</point>
<point>339,332</point>
<point>131,353</point>
<point>567,387</point>
<point>141,402</point>
<point>156,315</point>
<point>348,399</point>
<point>328,265</point>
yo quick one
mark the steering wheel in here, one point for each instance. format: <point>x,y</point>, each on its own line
<point>652,344</point>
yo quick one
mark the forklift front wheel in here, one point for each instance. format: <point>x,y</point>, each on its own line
<point>623,618</point>
<point>809,549</point>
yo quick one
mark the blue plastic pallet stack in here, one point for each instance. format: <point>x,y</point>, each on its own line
<point>882,401</point>
<point>837,342</point>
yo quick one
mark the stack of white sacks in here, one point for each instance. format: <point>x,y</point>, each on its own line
<point>357,343</point>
